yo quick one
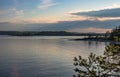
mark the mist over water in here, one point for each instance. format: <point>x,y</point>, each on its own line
<point>43,56</point>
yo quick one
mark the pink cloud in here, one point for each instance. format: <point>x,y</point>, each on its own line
<point>91,29</point>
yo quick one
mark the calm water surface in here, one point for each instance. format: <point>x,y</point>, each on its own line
<point>42,56</point>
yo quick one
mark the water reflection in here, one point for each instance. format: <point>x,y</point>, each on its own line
<point>42,56</point>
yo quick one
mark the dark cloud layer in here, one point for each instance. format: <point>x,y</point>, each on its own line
<point>115,12</point>
<point>60,26</point>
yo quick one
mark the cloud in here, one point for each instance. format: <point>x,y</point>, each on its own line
<point>115,5</point>
<point>75,26</point>
<point>113,12</point>
<point>72,25</point>
<point>46,4</point>
<point>11,15</point>
<point>90,29</point>
<point>18,16</point>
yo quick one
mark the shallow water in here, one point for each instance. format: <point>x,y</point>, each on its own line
<point>43,56</point>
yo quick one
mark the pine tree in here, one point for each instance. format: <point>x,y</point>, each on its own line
<point>107,65</point>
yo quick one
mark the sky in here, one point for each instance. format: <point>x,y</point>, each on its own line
<point>59,15</point>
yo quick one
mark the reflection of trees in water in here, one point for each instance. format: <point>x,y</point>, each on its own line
<point>107,65</point>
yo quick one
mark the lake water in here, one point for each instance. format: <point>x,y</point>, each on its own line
<point>43,56</point>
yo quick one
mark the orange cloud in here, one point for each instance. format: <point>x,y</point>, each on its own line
<point>91,29</point>
<point>42,20</point>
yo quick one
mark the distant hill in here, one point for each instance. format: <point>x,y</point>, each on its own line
<point>47,33</point>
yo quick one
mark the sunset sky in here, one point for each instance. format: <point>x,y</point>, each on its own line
<point>59,15</point>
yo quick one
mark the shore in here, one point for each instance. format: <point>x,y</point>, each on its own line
<point>97,40</point>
